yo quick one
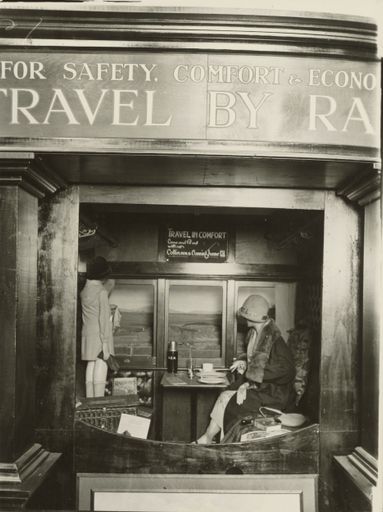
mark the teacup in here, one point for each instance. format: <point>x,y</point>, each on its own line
<point>207,367</point>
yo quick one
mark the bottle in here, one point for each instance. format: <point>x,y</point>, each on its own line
<point>190,363</point>
<point>172,357</point>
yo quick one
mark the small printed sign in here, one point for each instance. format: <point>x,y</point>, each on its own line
<point>125,386</point>
<point>196,245</point>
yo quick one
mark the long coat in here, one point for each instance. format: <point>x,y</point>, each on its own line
<point>271,367</point>
<point>96,320</point>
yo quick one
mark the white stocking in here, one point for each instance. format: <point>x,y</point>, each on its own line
<point>89,388</point>
<point>99,377</point>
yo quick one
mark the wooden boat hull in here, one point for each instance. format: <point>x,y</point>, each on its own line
<point>101,451</point>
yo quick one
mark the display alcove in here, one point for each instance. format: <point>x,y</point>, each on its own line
<point>272,253</point>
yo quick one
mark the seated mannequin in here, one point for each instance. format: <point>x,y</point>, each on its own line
<point>96,335</point>
<point>267,372</point>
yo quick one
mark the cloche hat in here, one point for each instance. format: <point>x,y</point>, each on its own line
<point>255,308</point>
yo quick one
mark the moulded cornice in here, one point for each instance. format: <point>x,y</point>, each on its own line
<point>19,480</point>
<point>185,28</point>
<point>30,173</point>
<point>363,189</point>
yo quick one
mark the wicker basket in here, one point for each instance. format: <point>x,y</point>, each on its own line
<point>106,417</point>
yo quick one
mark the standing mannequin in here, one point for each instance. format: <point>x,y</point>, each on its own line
<point>266,372</point>
<point>96,335</point>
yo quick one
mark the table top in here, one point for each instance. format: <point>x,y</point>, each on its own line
<point>181,379</point>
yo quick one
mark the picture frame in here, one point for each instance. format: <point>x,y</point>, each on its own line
<point>124,386</point>
<point>187,493</point>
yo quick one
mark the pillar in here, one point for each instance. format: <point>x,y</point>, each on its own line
<point>56,339</point>
<point>340,354</point>
<point>23,463</point>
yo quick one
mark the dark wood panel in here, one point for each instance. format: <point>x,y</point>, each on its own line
<point>355,495</point>
<point>190,402</point>
<point>339,405</point>
<point>15,496</point>
<point>224,198</point>
<point>58,491</point>
<point>97,450</point>
<point>176,415</point>
<point>340,316</point>
<point>202,171</point>
<point>26,318</point>
<point>260,244</point>
<point>339,408</point>
<point>371,325</point>
<point>18,233</point>
<point>8,216</point>
<point>57,308</point>
<point>254,236</point>
<point>122,269</point>
<point>332,443</point>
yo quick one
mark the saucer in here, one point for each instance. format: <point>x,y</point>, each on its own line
<point>211,379</point>
<point>211,373</point>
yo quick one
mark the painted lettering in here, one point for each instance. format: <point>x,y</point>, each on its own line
<point>70,67</point>
<point>180,73</point>
<point>342,79</point>
<point>60,99</point>
<point>114,71</point>
<point>253,108</point>
<point>86,72</point>
<point>148,71</point>
<point>358,107</point>
<point>118,105</point>
<point>17,109</point>
<point>228,100</point>
<point>5,66</point>
<point>215,73</point>
<point>21,70</point>
<point>102,70</point>
<point>149,111</point>
<point>91,115</point>
<point>328,108</point>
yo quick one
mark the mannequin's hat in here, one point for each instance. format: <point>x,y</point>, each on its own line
<point>255,308</point>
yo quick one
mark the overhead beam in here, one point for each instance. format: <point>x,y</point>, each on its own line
<point>225,197</point>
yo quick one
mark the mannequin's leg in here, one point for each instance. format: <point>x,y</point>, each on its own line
<point>89,388</point>
<point>99,376</point>
<point>211,431</point>
<point>216,422</point>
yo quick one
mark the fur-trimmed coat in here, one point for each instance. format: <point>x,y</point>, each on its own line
<point>270,367</point>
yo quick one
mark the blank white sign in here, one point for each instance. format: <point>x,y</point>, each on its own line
<point>132,501</point>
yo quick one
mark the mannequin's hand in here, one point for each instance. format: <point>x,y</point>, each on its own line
<point>106,352</point>
<point>242,392</point>
<point>239,365</point>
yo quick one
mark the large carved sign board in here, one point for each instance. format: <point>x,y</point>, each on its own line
<point>202,100</point>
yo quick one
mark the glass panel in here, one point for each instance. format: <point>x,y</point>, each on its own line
<point>244,291</point>
<point>134,330</point>
<point>195,320</point>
